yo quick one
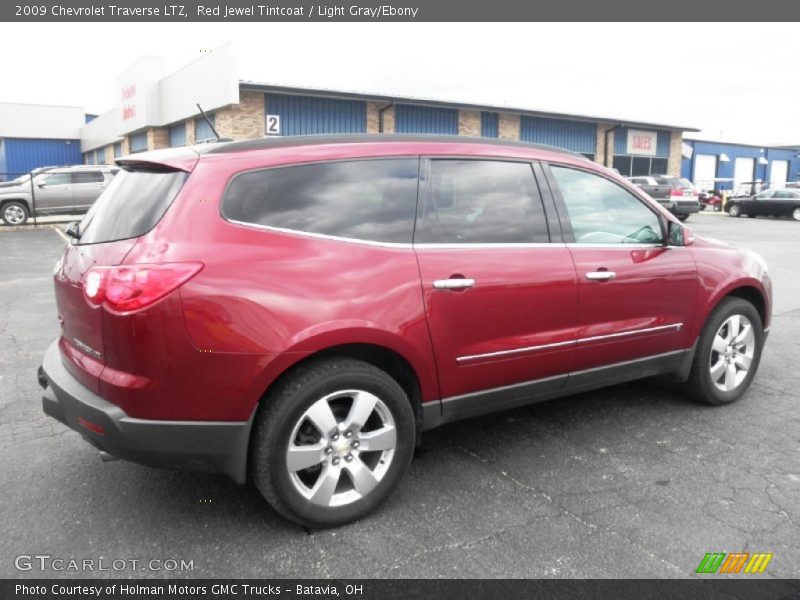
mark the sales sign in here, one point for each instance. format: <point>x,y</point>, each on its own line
<point>642,142</point>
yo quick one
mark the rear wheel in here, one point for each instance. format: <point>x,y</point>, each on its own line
<point>15,213</point>
<point>735,210</point>
<point>333,441</point>
<point>728,353</point>
<point>796,214</point>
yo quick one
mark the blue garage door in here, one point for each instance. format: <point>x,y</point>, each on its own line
<point>570,135</point>
<point>309,115</point>
<point>20,156</point>
<point>490,124</point>
<point>177,135</point>
<point>425,119</point>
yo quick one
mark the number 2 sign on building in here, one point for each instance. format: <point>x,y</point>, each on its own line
<point>642,142</point>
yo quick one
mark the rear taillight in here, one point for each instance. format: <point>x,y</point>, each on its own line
<point>128,288</point>
<point>676,192</point>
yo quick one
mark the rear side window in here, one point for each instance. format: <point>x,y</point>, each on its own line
<point>371,200</point>
<point>87,177</point>
<point>131,205</point>
<point>481,202</point>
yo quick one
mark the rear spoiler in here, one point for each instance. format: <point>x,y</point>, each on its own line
<point>168,159</point>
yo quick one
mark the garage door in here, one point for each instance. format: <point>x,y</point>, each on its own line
<point>705,170</point>
<point>425,119</point>
<point>742,172</point>
<point>310,115</point>
<point>778,171</point>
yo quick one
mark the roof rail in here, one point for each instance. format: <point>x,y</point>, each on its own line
<point>312,140</point>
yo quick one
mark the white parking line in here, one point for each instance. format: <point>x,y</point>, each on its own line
<point>61,233</point>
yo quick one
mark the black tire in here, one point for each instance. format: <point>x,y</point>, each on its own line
<point>717,207</point>
<point>283,409</point>
<point>17,208</point>
<point>700,384</point>
<point>682,218</point>
<point>751,216</point>
<point>796,213</point>
<point>735,210</point>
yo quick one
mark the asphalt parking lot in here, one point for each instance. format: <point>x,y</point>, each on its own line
<point>631,481</point>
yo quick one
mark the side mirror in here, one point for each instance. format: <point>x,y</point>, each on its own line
<point>678,235</point>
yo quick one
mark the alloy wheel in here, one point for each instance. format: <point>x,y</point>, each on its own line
<point>732,352</point>
<point>14,215</point>
<point>341,448</point>
<point>796,214</point>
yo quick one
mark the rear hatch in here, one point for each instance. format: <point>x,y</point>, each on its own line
<point>132,205</point>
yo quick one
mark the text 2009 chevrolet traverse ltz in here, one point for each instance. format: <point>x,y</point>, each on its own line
<point>297,311</point>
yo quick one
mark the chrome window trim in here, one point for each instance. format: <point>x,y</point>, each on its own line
<point>322,236</point>
<point>660,328</point>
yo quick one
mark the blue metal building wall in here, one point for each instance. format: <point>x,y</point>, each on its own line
<point>621,142</point>
<point>177,135</point>
<point>410,118</point>
<point>734,151</point>
<point>577,136</point>
<point>138,142</point>
<point>490,124</point>
<point>202,130</point>
<point>310,115</point>
<point>23,155</point>
<point>3,176</point>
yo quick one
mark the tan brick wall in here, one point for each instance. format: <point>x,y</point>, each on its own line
<point>600,152</point>
<point>243,121</point>
<point>189,132</point>
<point>157,138</point>
<point>373,118</point>
<point>508,126</point>
<point>110,154</point>
<point>388,120</point>
<point>126,145</point>
<point>675,148</point>
<point>469,122</point>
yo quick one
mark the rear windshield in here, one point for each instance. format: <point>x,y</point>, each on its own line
<point>131,205</point>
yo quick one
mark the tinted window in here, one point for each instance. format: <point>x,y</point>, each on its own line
<point>480,201</point>
<point>366,200</point>
<point>602,212</point>
<point>87,177</point>
<point>57,179</point>
<point>131,205</point>
<point>786,194</point>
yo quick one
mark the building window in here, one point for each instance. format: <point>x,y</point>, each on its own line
<point>177,135</point>
<point>100,156</point>
<point>117,149</point>
<point>632,166</point>
<point>138,142</point>
<point>202,129</point>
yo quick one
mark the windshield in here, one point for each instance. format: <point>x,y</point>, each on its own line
<point>131,205</point>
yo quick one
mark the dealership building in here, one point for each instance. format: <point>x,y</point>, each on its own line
<point>157,110</point>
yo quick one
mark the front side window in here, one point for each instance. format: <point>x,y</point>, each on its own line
<point>765,195</point>
<point>56,179</point>
<point>480,202</point>
<point>371,200</point>
<point>602,212</point>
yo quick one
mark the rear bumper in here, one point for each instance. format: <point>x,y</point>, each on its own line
<point>197,445</point>
<point>687,208</point>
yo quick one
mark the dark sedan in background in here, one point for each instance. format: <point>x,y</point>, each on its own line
<point>775,203</point>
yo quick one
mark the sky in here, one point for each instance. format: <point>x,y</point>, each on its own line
<point>735,82</point>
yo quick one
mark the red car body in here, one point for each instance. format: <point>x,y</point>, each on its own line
<point>187,372</point>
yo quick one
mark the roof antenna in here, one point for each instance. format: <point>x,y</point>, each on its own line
<point>210,124</point>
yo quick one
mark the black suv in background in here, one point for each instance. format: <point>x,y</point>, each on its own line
<point>676,194</point>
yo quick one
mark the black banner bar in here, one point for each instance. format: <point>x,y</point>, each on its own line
<point>278,11</point>
<point>755,588</point>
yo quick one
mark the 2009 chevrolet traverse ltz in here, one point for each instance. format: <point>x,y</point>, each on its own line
<point>296,311</point>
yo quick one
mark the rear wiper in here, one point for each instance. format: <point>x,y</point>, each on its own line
<point>73,230</point>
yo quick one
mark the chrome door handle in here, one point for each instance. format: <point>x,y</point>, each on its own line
<point>453,284</point>
<point>600,275</point>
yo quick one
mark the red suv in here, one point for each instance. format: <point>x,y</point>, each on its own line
<point>297,311</point>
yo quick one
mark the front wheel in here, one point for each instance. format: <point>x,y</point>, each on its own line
<point>735,210</point>
<point>796,214</point>
<point>15,213</point>
<point>728,353</point>
<point>332,442</point>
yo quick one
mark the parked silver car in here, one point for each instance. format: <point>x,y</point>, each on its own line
<point>55,190</point>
